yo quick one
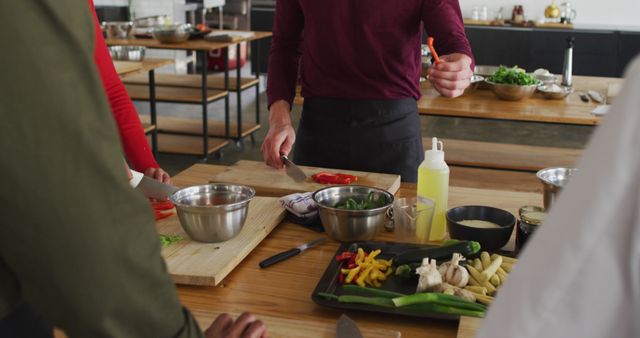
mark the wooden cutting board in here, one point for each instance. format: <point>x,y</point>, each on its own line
<point>468,327</point>
<point>297,328</point>
<point>268,181</point>
<point>196,263</point>
<point>124,67</point>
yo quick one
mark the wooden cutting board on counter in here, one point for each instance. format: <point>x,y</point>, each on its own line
<point>468,327</point>
<point>196,263</point>
<point>268,181</point>
<point>298,328</point>
<point>124,67</point>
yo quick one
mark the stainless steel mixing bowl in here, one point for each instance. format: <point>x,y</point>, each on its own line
<point>127,53</point>
<point>512,92</point>
<point>117,29</point>
<point>213,212</point>
<point>175,33</point>
<point>351,225</point>
<point>553,179</point>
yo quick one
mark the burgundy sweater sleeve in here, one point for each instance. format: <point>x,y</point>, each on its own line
<point>284,56</point>
<point>132,135</point>
<point>443,21</point>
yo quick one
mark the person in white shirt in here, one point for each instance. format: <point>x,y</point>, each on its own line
<point>579,275</point>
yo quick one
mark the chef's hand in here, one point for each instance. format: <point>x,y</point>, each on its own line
<point>281,135</point>
<point>158,174</point>
<point>451,76</point>
<point>246,326</point>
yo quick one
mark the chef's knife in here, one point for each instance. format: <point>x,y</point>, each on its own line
<point>151,188</point>
<point>347,328</point>
<point>293,170</point>
<point>290,253</point>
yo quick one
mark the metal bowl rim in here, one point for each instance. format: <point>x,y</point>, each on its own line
<point>252,194</point>
<point>540,172</point>
<point>535,85</point>
<point>382,208</point>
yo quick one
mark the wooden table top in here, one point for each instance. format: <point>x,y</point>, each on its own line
<point>482,103</point>
<point>199,44</point>
<point>284,290</point>
<point>129,68</point>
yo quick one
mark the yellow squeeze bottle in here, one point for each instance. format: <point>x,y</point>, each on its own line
<point>433,183</point>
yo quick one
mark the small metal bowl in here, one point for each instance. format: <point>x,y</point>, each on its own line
<point>351,225</point>
<point>213,212</point>
<point>117,29</point>
<point>512,92</point>
<point>549,92</point>
<point>172,33</point>
<point>553,179</point>
<point>127,53</point>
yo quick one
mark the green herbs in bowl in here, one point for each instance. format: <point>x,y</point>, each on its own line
<point>371,202</point>
<point>512,84</point>
<point>512,76</point>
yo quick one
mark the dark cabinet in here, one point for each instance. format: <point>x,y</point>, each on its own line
<point>596,53</point>
<point>628,48</point>
<point>261,20</point>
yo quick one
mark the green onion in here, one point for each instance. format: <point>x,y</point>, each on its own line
<point>438,299</point>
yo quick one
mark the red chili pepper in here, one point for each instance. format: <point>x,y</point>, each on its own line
<point>341,278</point>
<point>345,256</point>
<point>162,205</point>
<point>352,262</point>
<point>351,265</point>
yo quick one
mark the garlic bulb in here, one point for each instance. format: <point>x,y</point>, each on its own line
<point>430,279</point>
<point>453,273</point>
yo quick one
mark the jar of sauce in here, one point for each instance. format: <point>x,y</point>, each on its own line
<point>530,219</point>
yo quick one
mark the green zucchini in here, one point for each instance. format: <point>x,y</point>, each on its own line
<point>465,248</point>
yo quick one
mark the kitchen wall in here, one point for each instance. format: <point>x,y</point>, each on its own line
<point>617,13</point>
<point>149,7</point>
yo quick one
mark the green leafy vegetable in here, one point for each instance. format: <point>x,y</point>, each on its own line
<point>369,203</point>
<point>513,75</point>
<point>167,240</point>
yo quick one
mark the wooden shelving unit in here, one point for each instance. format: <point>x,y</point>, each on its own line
<point>194,126</point>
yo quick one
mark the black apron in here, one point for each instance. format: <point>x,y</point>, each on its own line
<point>24,322</point>
<point>366,135</point>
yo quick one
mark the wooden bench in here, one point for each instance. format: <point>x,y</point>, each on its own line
<point>192,81</point>
<point>505,156</point>
<point>194,126</point>
<point>174,94</point>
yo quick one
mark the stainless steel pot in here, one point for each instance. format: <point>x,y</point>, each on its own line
<point>117,29</point>
<point>351,225</point>
<point>553,179</point>
<point>151,21</point>
<point>127,53</point>
<point>213,212</point>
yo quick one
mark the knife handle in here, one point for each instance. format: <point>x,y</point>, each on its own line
<point>279,257</point>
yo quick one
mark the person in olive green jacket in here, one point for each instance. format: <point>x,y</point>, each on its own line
<point>79,250</point>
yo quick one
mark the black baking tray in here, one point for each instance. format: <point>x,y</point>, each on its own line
<point>329,282</point>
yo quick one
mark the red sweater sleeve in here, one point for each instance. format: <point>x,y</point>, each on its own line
<point>132,135</point>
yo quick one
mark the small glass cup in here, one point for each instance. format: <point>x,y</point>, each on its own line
<point>412,220</point>
<point>475,13</point>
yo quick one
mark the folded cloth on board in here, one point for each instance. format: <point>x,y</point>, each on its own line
<point>303,210</point>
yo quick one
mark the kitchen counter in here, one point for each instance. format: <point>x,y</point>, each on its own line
<point>281,294</point>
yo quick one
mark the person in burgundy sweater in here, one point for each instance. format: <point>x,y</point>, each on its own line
<point>132,135</point>
<point>359,66</point>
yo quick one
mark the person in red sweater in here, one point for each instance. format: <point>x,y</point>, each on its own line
<point>132,135</point>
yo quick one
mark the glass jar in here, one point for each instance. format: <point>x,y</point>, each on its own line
<point>530,218</point>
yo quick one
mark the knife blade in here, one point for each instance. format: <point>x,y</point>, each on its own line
<point>151,188</point>
<point>347,328</point>
<point>293,170</point>
<point>290,253</point>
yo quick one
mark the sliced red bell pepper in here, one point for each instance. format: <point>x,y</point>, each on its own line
<point>345,256</point>
<point>328,178</point>
<point>162,205</point>
<point>341,278</point>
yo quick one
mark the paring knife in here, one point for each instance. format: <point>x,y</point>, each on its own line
<point>347,328</point>
<point>151,188</point>
<point>290,253</point>
<point>293,170</point>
